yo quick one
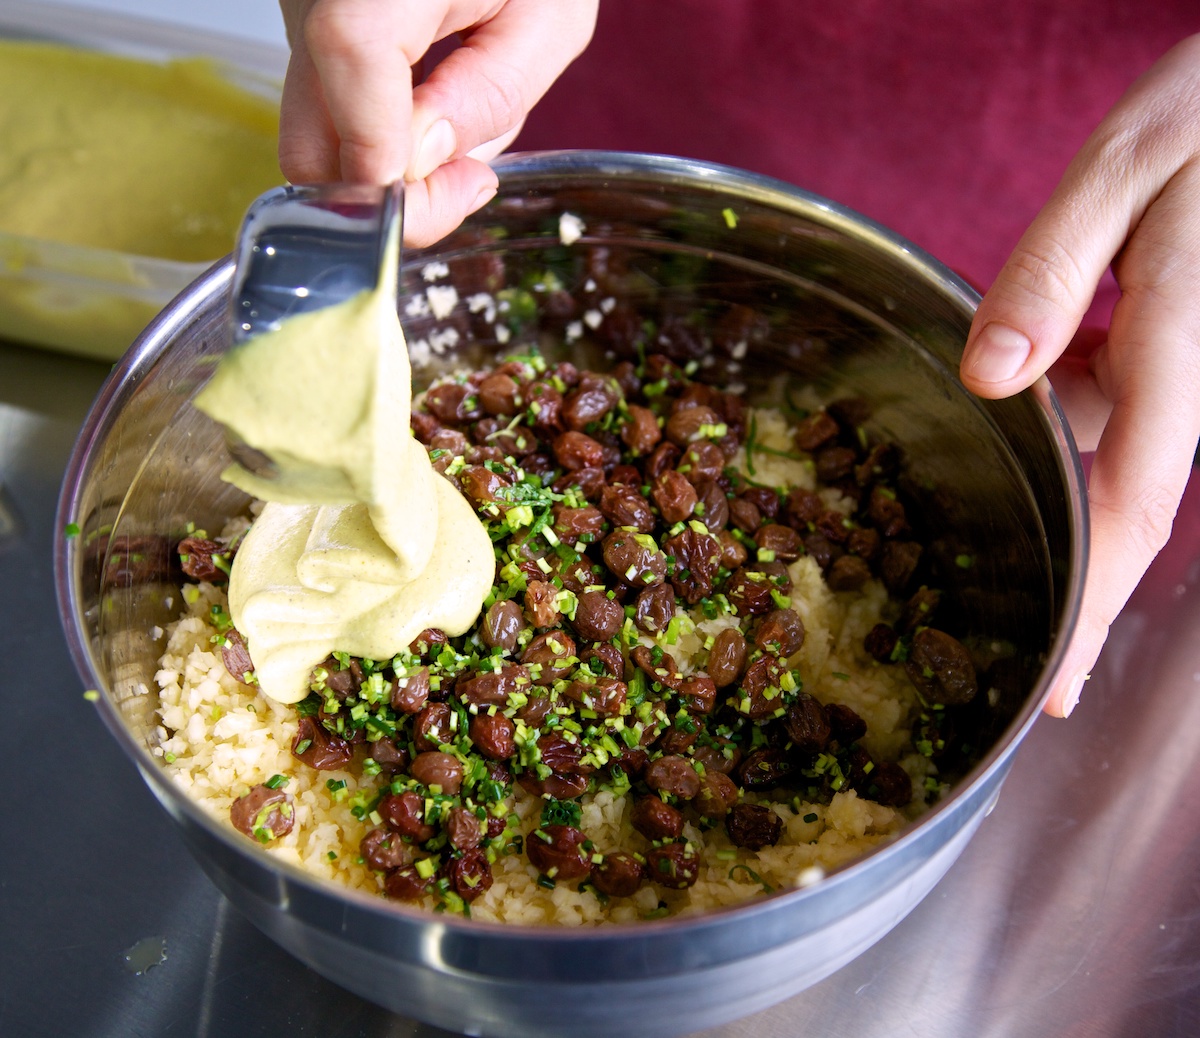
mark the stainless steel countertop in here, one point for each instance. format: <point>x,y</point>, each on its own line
<point>1075,911</point>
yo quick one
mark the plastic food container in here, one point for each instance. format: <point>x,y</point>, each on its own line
<point>93,301</point>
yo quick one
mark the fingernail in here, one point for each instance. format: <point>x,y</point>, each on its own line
<point>437,147</point>
<point>997,354</point>
<point>1072,694</point>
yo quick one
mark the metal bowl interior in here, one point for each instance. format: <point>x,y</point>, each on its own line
<point>783,288</point>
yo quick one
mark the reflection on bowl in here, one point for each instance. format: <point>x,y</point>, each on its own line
<point>789,288</point>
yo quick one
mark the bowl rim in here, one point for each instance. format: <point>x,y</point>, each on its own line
<point>514,169</point>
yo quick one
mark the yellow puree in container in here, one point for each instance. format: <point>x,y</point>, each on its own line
<point>114,153</point>
<point>119,181</point>
<point>363,545</point>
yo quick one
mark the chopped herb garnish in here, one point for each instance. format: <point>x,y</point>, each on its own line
<point>754,876</point>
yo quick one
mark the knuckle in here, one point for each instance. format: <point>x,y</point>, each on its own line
<point>305,158</point>
<point>1146,520</point>
<point>429,218</point>
<point>1151,524</point>
<point>1047,275</point>
<point>359,154</point>
<point>482,96</point>
<point>337,27</point>
<point>505,98</point>
<point>1159,263</point>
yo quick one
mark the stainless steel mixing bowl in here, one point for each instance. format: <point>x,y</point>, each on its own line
<point>782,287</point>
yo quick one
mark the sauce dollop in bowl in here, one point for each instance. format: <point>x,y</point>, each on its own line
<point>760,288</point>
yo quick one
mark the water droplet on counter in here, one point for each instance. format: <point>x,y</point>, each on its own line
<point>146,954</point>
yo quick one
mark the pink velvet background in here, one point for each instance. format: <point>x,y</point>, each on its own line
<point>949,121</point>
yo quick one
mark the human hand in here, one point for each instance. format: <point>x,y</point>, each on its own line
<point>1130,198</point>
<point>350,110</point>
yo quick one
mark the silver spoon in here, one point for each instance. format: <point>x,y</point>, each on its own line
<point>302,248</point>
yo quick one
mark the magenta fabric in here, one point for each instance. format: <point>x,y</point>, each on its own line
<point>949,121</point>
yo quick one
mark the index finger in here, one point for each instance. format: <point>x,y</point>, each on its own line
<point>484,89</point>
<point>363,51</point>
